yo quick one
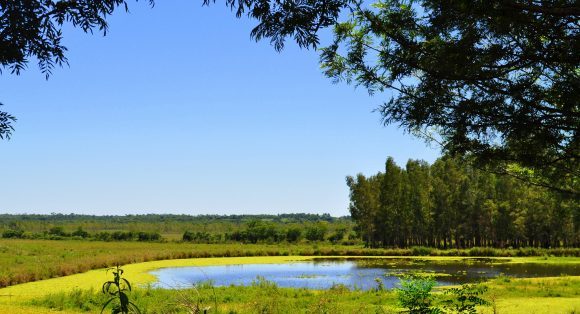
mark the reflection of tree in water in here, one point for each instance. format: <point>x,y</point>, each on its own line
<point>456,271</point>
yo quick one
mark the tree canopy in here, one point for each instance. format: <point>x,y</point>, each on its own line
<point>496,80</point>
<point>31,30</point>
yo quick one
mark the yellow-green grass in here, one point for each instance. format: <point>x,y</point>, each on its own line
<point>138,274</point>
<point>534,295</point>
<point>30,260</point>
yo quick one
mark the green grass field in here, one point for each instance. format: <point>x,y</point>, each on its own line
<point>31,260</point>
<point>79,293</point>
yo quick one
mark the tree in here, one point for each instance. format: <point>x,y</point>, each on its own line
<point>494,80</point>
<point>32,30</point>
<point>364,205</point>
<point>453,204</point>
<point>392,211</point>
<point>497,80</point>
<point>6,127</point>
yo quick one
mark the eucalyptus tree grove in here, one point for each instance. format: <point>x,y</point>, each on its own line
<point>452,204</point>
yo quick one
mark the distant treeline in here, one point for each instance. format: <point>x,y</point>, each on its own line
<point>259,231</point>
<point>58,233</point>
<point>199,229</point>
<point>163,218</point>
<point>452,204</point>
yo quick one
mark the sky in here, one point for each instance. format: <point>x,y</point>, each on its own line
<point>178,110</point>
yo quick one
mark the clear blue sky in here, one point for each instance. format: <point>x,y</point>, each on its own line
<point>177,110</point>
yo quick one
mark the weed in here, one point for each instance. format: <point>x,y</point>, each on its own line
<point>117,289</point>
<point>415,295</point>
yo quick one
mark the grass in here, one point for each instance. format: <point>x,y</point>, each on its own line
<point>24,261</point>
<point>79,293</point>
<point>512,296</point>
<point>41,265</point>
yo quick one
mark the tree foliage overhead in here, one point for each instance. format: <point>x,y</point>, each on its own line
<point>31,30</point>
<point>298,19</point>
<point>6,127</point>
<point>498,80</point>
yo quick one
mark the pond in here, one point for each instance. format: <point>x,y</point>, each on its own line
<point>356,273</point>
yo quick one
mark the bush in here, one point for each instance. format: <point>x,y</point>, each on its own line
<point>148,236</point>
<point>80,233</point>
<point>57,232</point>
<point>13,234</point>
<point>316,233</point>
<point>421,251</point>
<point>200,237</point>
<point>466,298</point>
<point>415,295</point>
<point>293,234</point>
<point>338,235</point>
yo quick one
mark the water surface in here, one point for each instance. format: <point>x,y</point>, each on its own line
<point>356,273</point>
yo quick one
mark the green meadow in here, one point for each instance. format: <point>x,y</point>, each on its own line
<point>52,268</point>
<point>80,293</point>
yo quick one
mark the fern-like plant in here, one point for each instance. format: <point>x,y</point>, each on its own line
<point>117,289</point>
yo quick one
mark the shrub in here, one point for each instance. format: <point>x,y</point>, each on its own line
<point>421,251</point>
<point>338,235</point>
<point>415,295</point>
<point>148,236</point>
<point>80,233</point>
<point>316,233</point>
<point>466,298</point>
<point>293,234</point>
<point>58,232</point>
<point>13,234</point>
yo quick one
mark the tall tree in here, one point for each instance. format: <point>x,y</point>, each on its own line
<point>452,204</point>
<point>364,205</point>
<point>419,186</point>
<point>392,214</point>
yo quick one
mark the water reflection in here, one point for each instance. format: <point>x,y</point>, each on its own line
<point>355,273</point>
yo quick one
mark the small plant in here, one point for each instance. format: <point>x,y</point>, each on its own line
<point>117,289</point>
<point>194,304</point>
<point>415,294</point>
<point>380,284</point>
<point>466,298</point>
